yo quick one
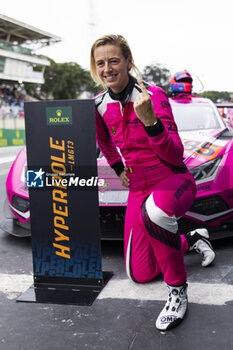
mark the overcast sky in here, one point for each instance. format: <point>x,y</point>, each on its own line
<point>179,34</point>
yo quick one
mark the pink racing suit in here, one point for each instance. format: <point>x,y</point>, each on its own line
<point>161,188</point>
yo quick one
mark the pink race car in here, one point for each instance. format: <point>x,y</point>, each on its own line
<point>208,145</point>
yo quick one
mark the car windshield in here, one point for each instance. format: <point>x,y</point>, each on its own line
<point>195,117</point>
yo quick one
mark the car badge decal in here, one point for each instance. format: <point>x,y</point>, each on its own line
<point>105,186</point>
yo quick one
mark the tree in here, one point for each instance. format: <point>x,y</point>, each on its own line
<point>158,75</point>
<point>33,90</point>
<point>62,81</point>
<point>217,96</point>
<point>67,81</point>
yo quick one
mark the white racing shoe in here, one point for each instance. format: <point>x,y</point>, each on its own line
<point>174,309</point>
<point>198,240</point>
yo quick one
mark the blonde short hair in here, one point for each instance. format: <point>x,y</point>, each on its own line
<point>111,39</point>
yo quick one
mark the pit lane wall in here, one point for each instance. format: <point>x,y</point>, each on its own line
<point>12,137</point>
<point>12,132</point>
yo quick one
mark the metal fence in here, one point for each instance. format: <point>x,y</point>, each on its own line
<point>11,118</point>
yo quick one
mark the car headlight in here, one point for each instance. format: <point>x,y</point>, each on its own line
<point>207,171</point>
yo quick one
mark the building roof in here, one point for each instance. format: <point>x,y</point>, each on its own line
<point>15,32</point>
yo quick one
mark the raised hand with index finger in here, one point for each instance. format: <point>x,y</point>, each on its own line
<point>143,107</point>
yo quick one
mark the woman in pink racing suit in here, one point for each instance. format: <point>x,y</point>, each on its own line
<point>137,118</point>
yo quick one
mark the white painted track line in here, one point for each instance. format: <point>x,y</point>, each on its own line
<point>199,293</point>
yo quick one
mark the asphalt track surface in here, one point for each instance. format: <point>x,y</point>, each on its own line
<point>123,315</point>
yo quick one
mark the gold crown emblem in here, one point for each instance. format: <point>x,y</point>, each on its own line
<point>58,112</point>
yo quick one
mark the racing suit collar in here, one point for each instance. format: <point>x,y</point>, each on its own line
<point>124,95</point>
